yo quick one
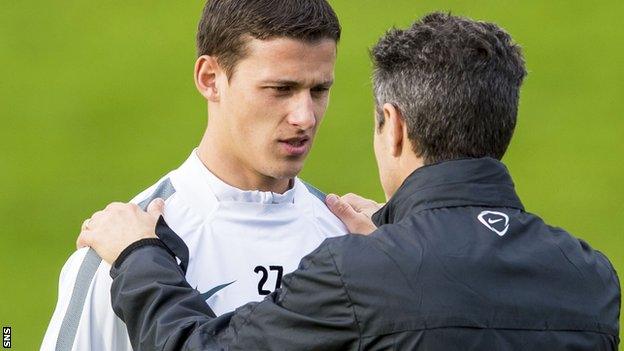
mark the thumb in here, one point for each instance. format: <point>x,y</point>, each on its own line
<point>156,207</point>
<point>341,209</point>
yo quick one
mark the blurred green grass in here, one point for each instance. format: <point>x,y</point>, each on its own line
<point>97,102</point>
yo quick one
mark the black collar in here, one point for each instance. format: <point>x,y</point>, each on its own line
<point>465,182</point>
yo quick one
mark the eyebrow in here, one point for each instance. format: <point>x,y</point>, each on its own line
<point>295,83</point>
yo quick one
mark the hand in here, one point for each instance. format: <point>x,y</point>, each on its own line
<point>361,204</point>
<point>354,211</point>
<point>113,229</point>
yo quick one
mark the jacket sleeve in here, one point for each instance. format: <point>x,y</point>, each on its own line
<point>312,310</point>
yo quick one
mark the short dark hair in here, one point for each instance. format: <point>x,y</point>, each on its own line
<point>226,25</point>
<point>456,83</point>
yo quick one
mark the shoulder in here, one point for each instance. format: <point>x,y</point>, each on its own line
<point>188,178</point>
<point>72,265</point>
<point>581,257</point>
<point>83,307</point>
<point>162,188</point>
<point>383,256</point>
<point>67,283</point>
<point>311,200</point>
<point>355,252</point>
<point>83,273</point>
<point>328,256</point>
<point>184,193</point>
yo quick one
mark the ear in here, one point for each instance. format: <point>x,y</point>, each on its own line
<point>206,72</point>
<point>396,129</point>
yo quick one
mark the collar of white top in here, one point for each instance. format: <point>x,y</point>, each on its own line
<point>225,192</point>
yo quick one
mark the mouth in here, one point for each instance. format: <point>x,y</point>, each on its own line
<point>297,146</point>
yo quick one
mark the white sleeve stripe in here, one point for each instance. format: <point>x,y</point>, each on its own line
<point>67,333</point>
<point>88,268</point>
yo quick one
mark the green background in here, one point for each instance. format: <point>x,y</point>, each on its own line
<point>97,102</point>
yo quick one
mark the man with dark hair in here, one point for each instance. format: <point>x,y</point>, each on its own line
<point>462,103</point>
<point>238,218</point>
<point>456,263</point>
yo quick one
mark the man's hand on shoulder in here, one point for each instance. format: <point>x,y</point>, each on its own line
<point>113,229</point>
<point>354,211</point>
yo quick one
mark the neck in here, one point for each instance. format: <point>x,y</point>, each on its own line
<point>406,165</point>
<point>215,155</point>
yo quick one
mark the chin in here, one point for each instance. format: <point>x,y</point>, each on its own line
<point>287,171</point>
<point>288,174</point>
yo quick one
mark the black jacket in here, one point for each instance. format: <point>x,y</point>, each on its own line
<point>456,264</point>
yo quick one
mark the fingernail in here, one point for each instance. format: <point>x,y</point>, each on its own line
<point>331,199</point>
<point>160,202</point>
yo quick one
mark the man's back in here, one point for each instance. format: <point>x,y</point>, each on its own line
<point>475,271</point>
<point>456,264</point>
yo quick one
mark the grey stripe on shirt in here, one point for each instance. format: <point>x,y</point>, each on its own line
<point>88,268</point>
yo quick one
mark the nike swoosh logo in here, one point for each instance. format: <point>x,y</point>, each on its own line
<point>214,290</point>
<point>488,222</point>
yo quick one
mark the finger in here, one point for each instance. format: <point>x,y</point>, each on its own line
<point>95,220</point>
<point>84,239</point>
<point>114,206</point>
<point>85,225</point>
<point>364,225</point>
<point>356,201</point>
<point>361,204</point>
<point>156,207</point>
<point>341,209</point>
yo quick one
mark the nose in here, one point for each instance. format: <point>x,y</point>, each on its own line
<point>303,115</point>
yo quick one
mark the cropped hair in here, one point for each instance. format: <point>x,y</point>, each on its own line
<point>456,83</point>
<point>227,25</point>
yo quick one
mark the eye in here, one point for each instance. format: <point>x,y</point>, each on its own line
<point>319,90</point>
<point>282,89</point>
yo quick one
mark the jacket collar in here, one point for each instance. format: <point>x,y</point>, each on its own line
<point>465,182</point>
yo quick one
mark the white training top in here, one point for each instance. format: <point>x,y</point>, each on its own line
<point>247,239</point>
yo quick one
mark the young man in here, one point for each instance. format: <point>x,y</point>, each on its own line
<point>243,217</point>
<point>456,264</point>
